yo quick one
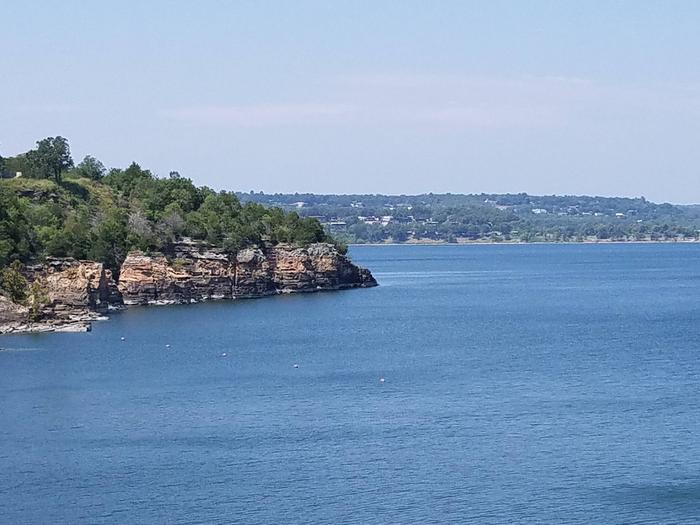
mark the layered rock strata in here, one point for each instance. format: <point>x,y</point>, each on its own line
<point>74,293</point>
<point>204,274</point>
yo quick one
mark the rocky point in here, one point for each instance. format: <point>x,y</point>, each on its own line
<point>78,292</point>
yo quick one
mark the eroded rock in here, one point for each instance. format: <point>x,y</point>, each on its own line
<point>200,273</point>
<point>78,292</point>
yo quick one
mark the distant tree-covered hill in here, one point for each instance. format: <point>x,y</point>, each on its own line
<point>490,217</point>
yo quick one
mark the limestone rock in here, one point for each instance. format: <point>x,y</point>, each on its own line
<point>147,279</point>
<point>11,314</point>
<point>253,277</point>
<point>317,267</point>
<point>73,285</point>
<point>152,279</point>
<point>79,291</point>
<point>197,272</point>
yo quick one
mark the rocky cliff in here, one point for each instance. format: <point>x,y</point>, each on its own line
<point>76,292</point>
<point>12,316</point>
<point>197,272</point>
<point>72,294</point>
<point>71,284</point>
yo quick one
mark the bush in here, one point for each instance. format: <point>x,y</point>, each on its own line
<point>14,283</point>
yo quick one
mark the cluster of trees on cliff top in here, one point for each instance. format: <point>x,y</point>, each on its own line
<point>58,208</point>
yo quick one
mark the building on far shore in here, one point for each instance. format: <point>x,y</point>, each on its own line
<point>333,227</point>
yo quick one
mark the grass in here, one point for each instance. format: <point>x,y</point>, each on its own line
<point>70,190</point>
<point>22,184</point>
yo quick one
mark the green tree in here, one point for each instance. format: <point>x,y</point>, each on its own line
<point>19,163</point>
<point>125,181</point>
<point>15,229</point>
<point>13,282</point>
<point>110,241</point>
<point>91,168</point>
<point>36,300</point>
<point>50,158</point>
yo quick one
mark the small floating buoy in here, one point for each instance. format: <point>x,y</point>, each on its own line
<point>224,354</point>
<point>296,365</point>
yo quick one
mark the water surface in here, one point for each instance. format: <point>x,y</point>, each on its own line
<point>530,384</point>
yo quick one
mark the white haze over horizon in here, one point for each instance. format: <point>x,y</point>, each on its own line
<point>373,97</point>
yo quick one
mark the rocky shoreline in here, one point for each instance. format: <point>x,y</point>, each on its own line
<point>80,292</point>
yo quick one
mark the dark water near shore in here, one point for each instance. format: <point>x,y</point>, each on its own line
<point>530,384</point>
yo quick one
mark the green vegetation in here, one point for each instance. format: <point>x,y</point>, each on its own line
<point>50,158</point>
<point>87,212</point>
<point>490,218</point>
<point>15,286</point>
<point>14,283</point>
<point>36,300</point>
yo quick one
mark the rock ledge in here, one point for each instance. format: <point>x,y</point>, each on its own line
<point>79,292</point>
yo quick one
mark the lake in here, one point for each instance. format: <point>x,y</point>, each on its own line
<point>522,383</point>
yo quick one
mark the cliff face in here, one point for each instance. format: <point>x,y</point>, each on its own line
<point>75,285</point>
<point>11,314</point>
<point>200,273</point>
<point>74,293</point>
<point>317,267</point>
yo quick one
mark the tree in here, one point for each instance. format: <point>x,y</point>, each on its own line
<point>91,168</point>
<point>126,181</point>
<point>36,300</point>
<point>15,228</point>
<point>140,233</point>
<point>110,242</point>
<point>173,224</point>
<point>76,230</point>
<point>50,158</point>
<point>13,282</point>
<point>18,163</point>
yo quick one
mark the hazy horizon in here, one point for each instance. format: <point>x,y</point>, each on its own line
<point>468,193</point>
<point>369,98</point>
<point>389,194</point>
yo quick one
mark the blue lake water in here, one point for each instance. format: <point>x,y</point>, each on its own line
<point>528,383</point>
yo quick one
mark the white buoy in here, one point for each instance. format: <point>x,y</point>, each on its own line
<point>224,354</point>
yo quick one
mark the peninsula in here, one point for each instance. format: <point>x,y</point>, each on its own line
<point>79,241</point>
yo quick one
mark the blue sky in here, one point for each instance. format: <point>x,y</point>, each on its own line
<point>380,97</point>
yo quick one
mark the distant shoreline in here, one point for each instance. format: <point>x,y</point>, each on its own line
<point>495,243</point>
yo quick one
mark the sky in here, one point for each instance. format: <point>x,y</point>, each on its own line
<point>401,97</point>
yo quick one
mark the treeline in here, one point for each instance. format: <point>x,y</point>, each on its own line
<point>58,208</point>
<point>490,217</point>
